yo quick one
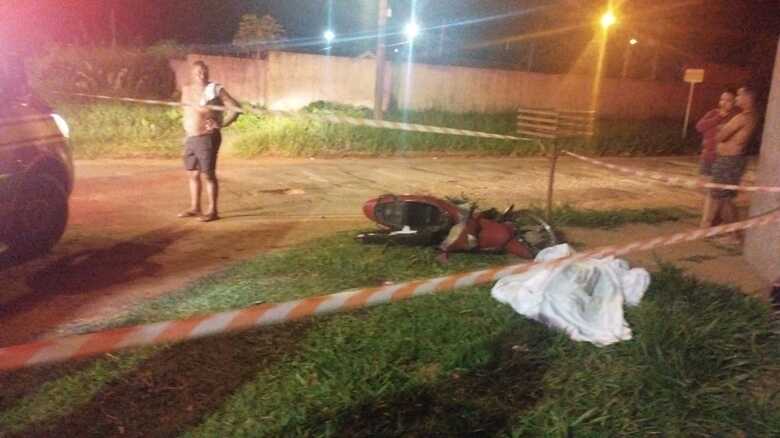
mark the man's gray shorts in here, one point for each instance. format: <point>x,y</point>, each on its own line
<point>705,167</point>
<point>200,152</point>
<point>727,170</point>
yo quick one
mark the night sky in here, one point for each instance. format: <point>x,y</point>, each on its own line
<point>740,32</point>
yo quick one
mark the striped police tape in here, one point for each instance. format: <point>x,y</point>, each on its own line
<point>80,346</point>
<point>331,118</point>
<point>674,180</point>
<point>357,121</point>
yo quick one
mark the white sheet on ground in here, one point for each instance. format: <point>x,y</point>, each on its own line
<point>585,299</point>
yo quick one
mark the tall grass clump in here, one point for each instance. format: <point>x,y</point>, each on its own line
<point>106,129</point>
<point>120,130</point>
<point>263,135</point>
<point>257,135</point>
<point>120,71</point>
<point>569,216</point>
<point>635,138</point>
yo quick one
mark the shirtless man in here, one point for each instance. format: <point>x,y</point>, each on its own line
<point>730,162</point>
<point>204,138</point>
<point>708,126</point>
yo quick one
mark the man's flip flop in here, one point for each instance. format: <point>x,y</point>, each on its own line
<point>209,217</point>
<point>189,213</point>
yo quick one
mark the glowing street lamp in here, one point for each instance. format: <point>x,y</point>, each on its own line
<point>329,36</point>
<point>608,19</point>
<point>411,30</point>
<point>627,56</point>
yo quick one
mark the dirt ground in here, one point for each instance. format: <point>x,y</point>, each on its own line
<point>124,243</point>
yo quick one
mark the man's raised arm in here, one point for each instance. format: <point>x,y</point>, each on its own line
<point>731,127</point>
<point>233,108</point>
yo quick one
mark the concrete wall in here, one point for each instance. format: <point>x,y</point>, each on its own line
<point>292,80</point>
<point>289,81</point>
<point>463,89</point>
<point>244,78</point>
<point>181,69</point>
<point>762,245</point>
<point>296,79</point>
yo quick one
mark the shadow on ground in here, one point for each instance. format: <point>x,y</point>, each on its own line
<point>477,402</point>
<point>89,270</point>
<point>175,389</point>
<point>60,288</point>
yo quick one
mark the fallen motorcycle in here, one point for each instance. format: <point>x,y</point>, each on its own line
<point>455,226</point>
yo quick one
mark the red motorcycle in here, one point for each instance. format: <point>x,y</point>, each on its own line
<point>455,226</point>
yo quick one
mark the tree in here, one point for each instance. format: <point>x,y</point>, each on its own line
<point>257,30</point>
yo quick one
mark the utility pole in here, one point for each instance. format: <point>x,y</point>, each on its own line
<point>379,85</point>
<point>654,62</point>
<point>626,61</point>
<point>530,58</point>
<point>113,28</point>
<point>441,39</point>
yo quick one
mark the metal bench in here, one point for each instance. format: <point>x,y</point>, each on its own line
<point>549,125</point>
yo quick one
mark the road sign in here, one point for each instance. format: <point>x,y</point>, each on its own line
<point>694,75</point>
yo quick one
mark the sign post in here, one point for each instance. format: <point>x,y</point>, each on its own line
<point>551,180</point>
<point>379,80</point>
<point>693,76</point>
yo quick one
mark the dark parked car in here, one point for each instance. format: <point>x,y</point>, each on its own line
<point>36,166</point>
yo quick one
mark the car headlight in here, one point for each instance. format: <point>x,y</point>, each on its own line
<point>62,125</point>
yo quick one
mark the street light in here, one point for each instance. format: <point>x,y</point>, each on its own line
<point>608,19</point>
<point>329,36</point>
<point>411,30</point>
<point>627,56</point>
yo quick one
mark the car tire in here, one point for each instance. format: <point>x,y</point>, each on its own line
<point>40,216</point>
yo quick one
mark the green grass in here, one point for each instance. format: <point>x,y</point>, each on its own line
<point>635,138</point>
<point>570,216</point>
<point>113,130</point>
<point>73,386</point>
<point>328,265</point>
<point>450,365</point>
<point>118,130</point>
<point>260,135</point>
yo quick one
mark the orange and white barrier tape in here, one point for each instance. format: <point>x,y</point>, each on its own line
<point>331,118</point>
<point>674,180</point>
<point>79,346</point>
